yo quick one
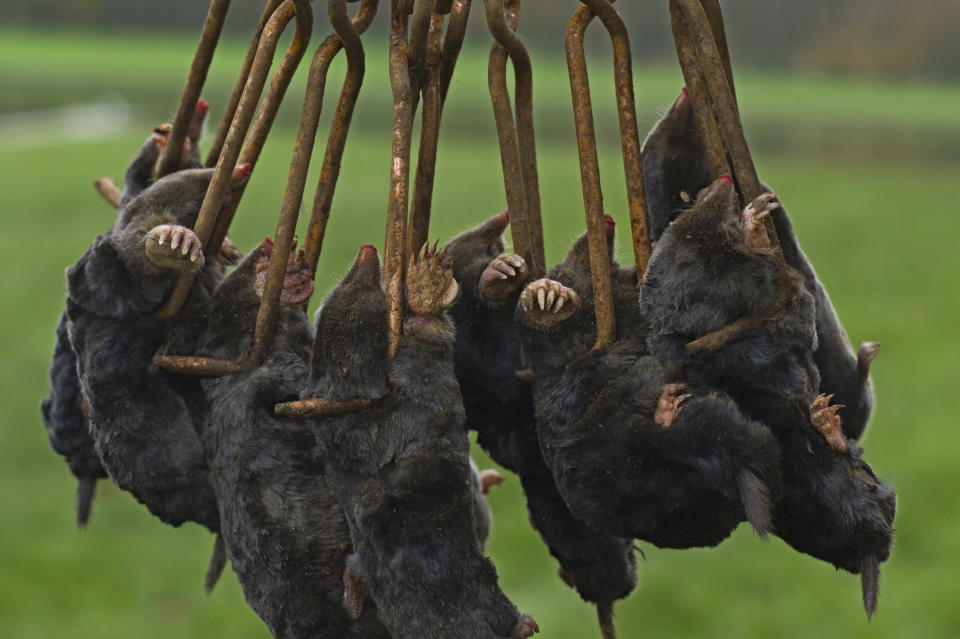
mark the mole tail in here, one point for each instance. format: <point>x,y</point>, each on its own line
<point>756,502</point>
<point>218,559</point>
<point>605,617</point>
<point>86,488</point>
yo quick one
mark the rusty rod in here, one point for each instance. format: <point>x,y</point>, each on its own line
<point>221,134</point>
<point>699,96</point>
<point>212,25</point>
<point>590,178</point>
<point>715,17</point>
<point>394,258</point>
<point>210,208</point>
<point>419,227</point>
<point>336,140</point>
<point>261,126</point>
<point>629,133</point>
<point>516,137</point>
<point>317,407</point>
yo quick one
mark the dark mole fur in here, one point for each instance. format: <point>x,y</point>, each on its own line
<point>401,470</point>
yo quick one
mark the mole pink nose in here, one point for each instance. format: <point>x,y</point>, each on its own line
<point>368,253</point>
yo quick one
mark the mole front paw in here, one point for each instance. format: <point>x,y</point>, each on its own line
<point>504,275</point>
<point>755,234</point>
<point>297,280</point>
<point>175,247</point>
<point>825,419</point>
<point>526,626</point>
<point>431,288</point>
<point>547,303</point>
<point>669,404</point>
<point>489,478</point>
<point>228,254</point>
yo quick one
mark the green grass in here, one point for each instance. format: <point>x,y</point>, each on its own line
<point>879,230</point>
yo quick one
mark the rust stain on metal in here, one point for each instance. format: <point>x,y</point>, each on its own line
<point>403,98</point>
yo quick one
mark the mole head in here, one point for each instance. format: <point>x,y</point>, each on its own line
<point>674,165</point>
<point>578,257</point>
<point>351,344</point>
<point>478,245</point>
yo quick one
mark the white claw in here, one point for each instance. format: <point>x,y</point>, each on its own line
<point>500,275</point>
<point>541,298</point>
<point>551,296</point>
<point>560,301</point>
<point>503,267</point>
<point>525,302</point>
<point>175,239</point>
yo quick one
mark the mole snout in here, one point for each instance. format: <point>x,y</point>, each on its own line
<point>368,255</point>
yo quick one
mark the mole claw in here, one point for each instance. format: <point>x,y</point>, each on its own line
<point>551,297</point>
<point>541,298</point>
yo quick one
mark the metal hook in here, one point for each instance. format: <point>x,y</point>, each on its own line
<point>518,155</point>
<point>299,165</point>
<point>441,58</point>
<point>209,36</point>
<point>210,209</point>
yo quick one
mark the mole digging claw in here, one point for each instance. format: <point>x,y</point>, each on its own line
<point>354,592</point>
<point>755,233</point>
<point>547,303</point>
<point>565,577</point>
<point>503,275</point>
<point>526,627</point>
<point>297,281</point>
<point>668,405</point>
<point>175,247</point>
<point>870,584</point>
<point>488,479</point>
<point>825,419</point>
<point>431,288</point>
<point>865,355</point>
<point>228,254</point>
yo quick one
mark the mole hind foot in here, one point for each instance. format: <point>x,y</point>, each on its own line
<point>754,231</point>
<point>488,479</point>
<point>825,419</point>
<point>228,254</point>
<point>431,288</point>
<point>547,303</point>
<point>297,281</point>
<point>175,247</point>
<point>354,592</point>
<point>504,274</point>
<point>668,406</point>
<point>865,355</point>
<point>526,627</point>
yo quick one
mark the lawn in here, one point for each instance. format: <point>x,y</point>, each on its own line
<point>874,218</point>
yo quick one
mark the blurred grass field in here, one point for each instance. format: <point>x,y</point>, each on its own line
<point>867,170</point>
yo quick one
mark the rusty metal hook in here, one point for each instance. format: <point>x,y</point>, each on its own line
<point>347,37</point>
<point>210,209</point>
<point>441,58</point>
<point>209,36</point>
<point>701,50</point>
<point>404,98</point>
<point>216,145</point>
<point>518,155</point>
<point>589,163</point>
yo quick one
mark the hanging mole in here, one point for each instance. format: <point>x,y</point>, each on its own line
<point>400,469</point>
<point>635,451</point>
<point>674,170</point>
<point>500,408</point>
<point>715,266</point>
<point>65,412</point>
<point>145,423</point>
<point>285,534</point>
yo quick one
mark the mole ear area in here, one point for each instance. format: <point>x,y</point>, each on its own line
<point>103,285</point>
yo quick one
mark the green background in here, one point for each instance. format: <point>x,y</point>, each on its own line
<point>868,170</point>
